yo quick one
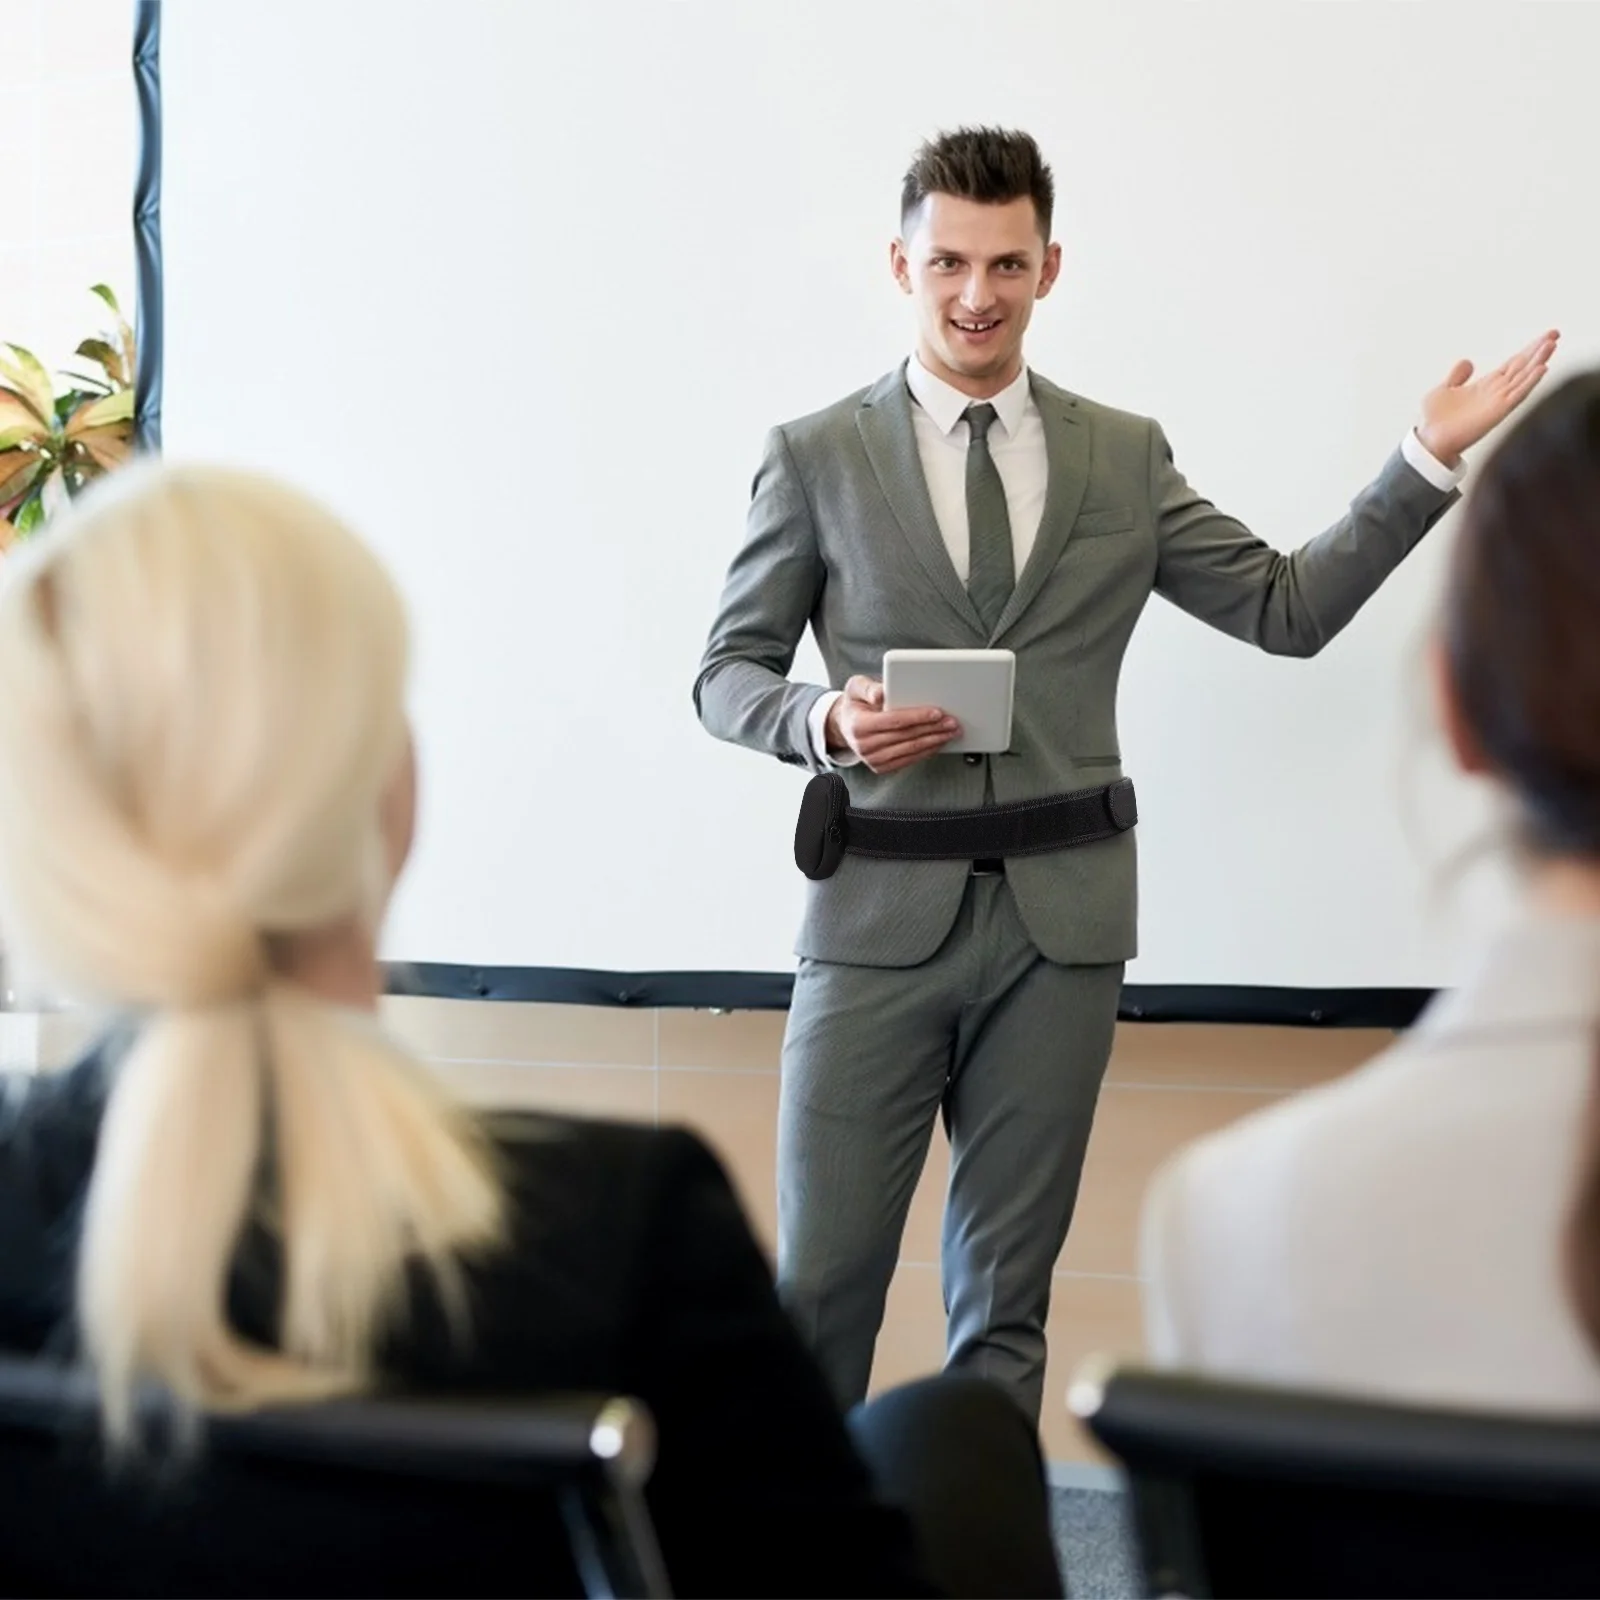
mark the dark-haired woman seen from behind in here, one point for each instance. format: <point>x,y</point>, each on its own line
<point>1428,1228</point>
<point>251,1195</point>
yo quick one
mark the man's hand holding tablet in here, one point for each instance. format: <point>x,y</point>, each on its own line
<point>928,702</point>
<point>883,740</point>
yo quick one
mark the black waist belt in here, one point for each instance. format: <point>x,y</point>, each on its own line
<point>829,825</point>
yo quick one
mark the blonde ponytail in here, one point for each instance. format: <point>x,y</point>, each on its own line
<point>375,1168</point>
<point>372,1170</point>
<point>169,1196</point>
<point>203,708</point>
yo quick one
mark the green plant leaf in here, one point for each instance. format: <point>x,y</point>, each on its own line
<point>15,412</point>
<point>27,379</point>
<point>99,351</point>
<point>30,513</point>
<point>18,417</point>
<point>73,401</point>
<point>108,408</point>
<point>20,470</point>
<point>31,436</point>
<point>87,383</point>
<point>125,334</point>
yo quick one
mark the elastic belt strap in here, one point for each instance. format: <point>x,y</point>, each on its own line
<point>829,826</point>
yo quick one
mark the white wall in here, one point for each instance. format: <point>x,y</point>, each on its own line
<point>521,287</point>
<point>69,145</point>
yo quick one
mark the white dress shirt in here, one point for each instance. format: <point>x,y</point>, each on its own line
<point>1399,1232</point>
<point>1017,444</point>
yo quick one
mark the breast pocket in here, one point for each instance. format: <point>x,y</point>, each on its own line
<point>1102,524</point>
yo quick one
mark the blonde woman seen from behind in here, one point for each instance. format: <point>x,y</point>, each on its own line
<point>204,795</point>
<point>246,1194</point>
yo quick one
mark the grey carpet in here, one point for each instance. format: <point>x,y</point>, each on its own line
<point>1095,1543</point>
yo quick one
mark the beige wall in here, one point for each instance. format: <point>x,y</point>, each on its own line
<point>68,154</point>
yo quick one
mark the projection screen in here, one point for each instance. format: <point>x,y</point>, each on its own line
<point>520,288</point>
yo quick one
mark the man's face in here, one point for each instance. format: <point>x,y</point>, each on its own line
<point>974,270</point>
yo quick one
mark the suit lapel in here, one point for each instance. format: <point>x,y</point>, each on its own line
<point>1066,442</point>
<point>889,437</point>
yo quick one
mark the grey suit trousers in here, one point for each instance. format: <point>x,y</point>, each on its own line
<point>1011,1048</point>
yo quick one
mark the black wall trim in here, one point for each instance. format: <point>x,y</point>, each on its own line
<point>1268,1007</point>
<point>728,991</point>
<point>770,991</point>
<point>147,227</point>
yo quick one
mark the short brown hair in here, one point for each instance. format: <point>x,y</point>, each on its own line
<point>992,165</point>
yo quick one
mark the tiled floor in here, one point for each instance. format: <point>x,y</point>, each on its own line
<point>718,1073</point>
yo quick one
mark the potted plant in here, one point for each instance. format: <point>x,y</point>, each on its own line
<point>52,444</point>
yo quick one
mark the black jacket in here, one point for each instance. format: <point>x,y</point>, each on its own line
<point>631,1269</point>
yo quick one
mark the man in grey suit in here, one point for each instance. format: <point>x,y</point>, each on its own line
<point>963,501</point>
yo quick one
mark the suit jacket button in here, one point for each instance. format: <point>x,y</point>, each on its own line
<point>972,758</point>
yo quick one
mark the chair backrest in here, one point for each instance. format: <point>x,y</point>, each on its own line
<point>393,1496</point>
<point>1245,1490</point>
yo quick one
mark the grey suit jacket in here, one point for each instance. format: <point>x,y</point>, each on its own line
<point>841,535</point>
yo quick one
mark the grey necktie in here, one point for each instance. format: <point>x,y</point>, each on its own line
<point>991,570</point>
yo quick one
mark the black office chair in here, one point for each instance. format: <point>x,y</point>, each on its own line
<point>383,1496</point>
<point>1244,1490</point>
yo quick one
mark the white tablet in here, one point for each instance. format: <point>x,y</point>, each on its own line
<point>973,686</point>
